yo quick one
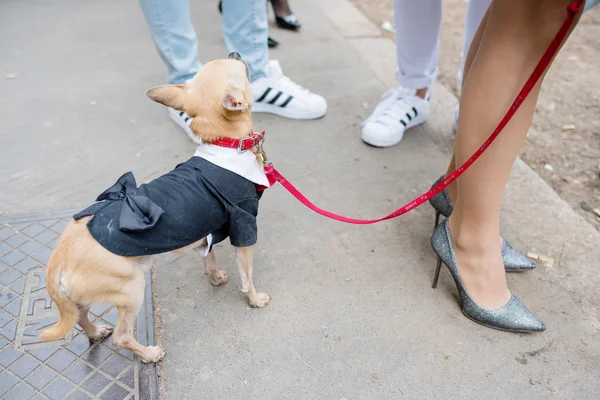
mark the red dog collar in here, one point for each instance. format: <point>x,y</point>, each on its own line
<point>246,143</point>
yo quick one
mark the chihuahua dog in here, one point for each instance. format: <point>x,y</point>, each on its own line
<point>103,253</point>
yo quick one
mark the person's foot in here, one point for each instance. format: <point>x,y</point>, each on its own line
<point>451,190</point>
<point>278,94</point>
<point>400,109</point>
<point>290,22</point>
<point>284,17</point>
<point>481,269</point>
<point>183,121</point>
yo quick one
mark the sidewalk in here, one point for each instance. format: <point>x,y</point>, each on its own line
<point>352,315</point>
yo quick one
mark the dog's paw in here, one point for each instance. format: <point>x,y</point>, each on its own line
<point>261,300</point>
<point>153,354</point>
<point>102,332</point>
<point>218,278</point>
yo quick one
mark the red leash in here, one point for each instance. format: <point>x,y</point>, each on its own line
<point>275,176</point>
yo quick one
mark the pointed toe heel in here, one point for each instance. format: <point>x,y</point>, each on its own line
<point>512,317</point>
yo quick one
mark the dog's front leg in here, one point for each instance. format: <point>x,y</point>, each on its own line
<point>244,256</point>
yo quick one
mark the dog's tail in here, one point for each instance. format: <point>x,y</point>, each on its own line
<point>69,315</point>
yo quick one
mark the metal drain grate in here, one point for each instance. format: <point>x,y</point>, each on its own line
<point>71,368</point>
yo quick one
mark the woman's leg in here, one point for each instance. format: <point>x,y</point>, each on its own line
<point>474,15</point>
<point>281,8</point>
<point>516,34</point>
<point>469,52</point>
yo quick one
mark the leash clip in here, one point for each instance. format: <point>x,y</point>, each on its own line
<point>260,153</point>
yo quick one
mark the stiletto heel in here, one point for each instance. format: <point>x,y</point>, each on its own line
<point>513,260</point>
<point>437,273</point>
<point>513,316</point>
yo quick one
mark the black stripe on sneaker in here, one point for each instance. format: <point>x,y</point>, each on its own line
<point>261,98</point>
<point>408,116</point>
<point>286,102</point>
<point>187,119</point>
<point>181,113</point>
<point>403,123</point>
<point>274,99</point>
<point>415,110</point>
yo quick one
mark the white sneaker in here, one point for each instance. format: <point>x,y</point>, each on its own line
<point>278,94</point>
<point>400,109</point>
<point>183,120</point>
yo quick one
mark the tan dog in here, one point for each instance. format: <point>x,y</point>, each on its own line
<point>82,272</point>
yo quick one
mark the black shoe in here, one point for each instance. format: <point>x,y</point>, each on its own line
<point>290,22</point>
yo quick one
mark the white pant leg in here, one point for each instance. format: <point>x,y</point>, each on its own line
<point>475,11</point>
<point>418,25</point>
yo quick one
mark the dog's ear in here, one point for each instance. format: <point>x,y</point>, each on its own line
<point>170,95</point>
<point>235,100</point>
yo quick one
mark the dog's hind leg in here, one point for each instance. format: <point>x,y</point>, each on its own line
<point>244,256</point>
<point>93,331</point>
<point>69,315</point>
<point>216,277</point>
<point>123,335</point>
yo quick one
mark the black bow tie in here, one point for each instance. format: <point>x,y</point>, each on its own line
<point>138,213</point>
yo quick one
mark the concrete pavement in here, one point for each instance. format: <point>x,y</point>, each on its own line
<point>353,315</point>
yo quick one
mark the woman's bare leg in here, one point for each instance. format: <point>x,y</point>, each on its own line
<point>471,51</point>
<point>515,36</point>
<point>281,8</point>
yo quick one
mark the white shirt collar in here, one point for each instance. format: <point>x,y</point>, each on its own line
<point>243,164</point>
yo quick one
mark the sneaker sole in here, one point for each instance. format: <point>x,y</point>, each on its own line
<point>181,123</point>
<point>376,142</point>
<point>286,113</point>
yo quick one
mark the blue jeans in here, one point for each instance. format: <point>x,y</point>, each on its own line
<point>589,4</point>
<point>245,30</point>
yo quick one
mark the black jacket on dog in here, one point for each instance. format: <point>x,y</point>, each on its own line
<point>194,200</point>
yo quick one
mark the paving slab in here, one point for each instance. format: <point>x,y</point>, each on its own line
<point>353,315</point>
<point>69,368</point>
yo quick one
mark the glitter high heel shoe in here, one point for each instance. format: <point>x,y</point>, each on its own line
<point>513,316</point>
<point>513,260</point>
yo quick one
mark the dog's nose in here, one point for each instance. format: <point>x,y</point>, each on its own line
<point>235,55</point>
